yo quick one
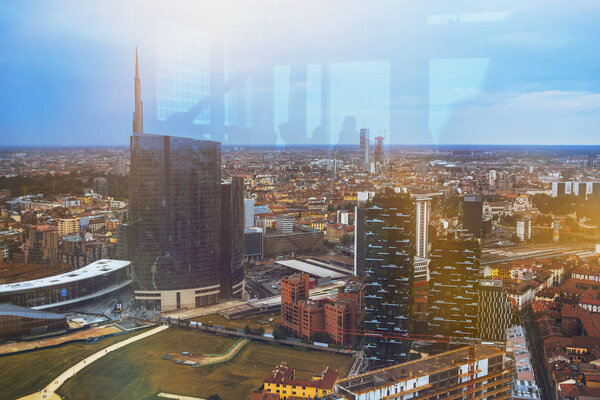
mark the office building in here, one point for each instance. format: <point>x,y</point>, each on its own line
<point>584,189</point>
<point>16,321</point>
<point>253,243</point>
<point>94,280</point>
<point>444,375</point>
<point>248,213</point>
<point>453,287</point>
<point>473,214</point>
<point>389,273</point>
<point>175,220</point>
<point>422,241</point>
<point>364,149</point>
<point>495,310</point>
<point>300,243</point>
<point>285,223</point>
<point>378,156</point>
<point>359,231</point>
<point>232,238</point>
<point>524,229</point>
<point>68,226</point>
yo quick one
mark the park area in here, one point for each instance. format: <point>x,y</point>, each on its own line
<point>138,370</point>
<point>254,322</point>
<point>25,373</point>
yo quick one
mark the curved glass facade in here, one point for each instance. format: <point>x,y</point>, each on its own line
<point>174,212</point>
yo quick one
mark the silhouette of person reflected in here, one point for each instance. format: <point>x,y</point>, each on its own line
<point>348,134</point>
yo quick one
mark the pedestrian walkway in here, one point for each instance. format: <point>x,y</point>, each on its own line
<point>176,396</point>
<point>48,393</point>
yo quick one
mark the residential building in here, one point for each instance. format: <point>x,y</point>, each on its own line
<point>495,310</point>
<point>41,246</point>
<point>389,274</point>
<point>453,287</point>
<point>441,375</point>
<point>68,226</point>
<point>524,229</point>
<point>473,214</point>
<point>337,317</point>
<point>282,384</point>
<point>285,223</point>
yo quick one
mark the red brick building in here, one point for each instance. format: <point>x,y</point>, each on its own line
<point>337,317</point>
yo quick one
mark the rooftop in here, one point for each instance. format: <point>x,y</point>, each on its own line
<point>422,367</point>
<point>97,268</point>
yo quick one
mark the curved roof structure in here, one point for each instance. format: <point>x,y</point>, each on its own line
<point>97,268</point>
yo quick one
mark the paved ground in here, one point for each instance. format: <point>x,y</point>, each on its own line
<point>88,333</point>
<point>198,312</point>
<point>49,392</point>
<point>176,396</point>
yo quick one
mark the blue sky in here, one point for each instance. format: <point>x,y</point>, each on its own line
<point>501,72</point>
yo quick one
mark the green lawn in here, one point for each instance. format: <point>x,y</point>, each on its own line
<point>240,323</point>
<point>137,372</point>
<point>26,373</point>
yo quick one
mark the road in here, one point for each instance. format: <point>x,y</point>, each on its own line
<point>536,352</point>
<point>49,392</point>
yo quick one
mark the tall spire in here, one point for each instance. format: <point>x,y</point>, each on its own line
<point>138,114</point>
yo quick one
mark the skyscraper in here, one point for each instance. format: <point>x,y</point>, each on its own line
<point>364,149</point>
<point>175,221</point>
<point>423,209</point>
<point>390,252</point>
<point>359,232</point>
<point>174,230</point>
<point>473,214</point>
<point>232,238</point>
<point>248,213</point>
<point>379,149</point>
<point>453,286</point>
<point>138,114</point>
<point>495,310</point>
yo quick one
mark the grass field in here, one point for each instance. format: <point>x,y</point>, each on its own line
<point>137,371</point>
<point>240,323</point>
<point>26,373</point>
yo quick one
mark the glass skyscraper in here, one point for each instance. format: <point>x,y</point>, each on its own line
<point>175,221</point>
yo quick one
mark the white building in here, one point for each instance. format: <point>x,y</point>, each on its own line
<point>284,223</point>
<point>423,210</point>
<point>248,213</point>
<point>524,229</point>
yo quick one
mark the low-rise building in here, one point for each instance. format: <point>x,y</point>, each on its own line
<point>281,383</point>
